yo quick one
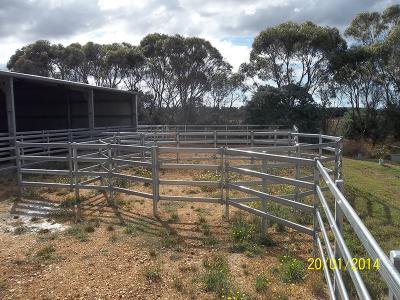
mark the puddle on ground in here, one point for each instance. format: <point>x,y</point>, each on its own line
<point>28,223</point>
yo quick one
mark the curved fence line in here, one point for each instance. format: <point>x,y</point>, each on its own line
<point>246,162</point>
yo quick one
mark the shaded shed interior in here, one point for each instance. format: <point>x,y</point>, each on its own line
<point>46,105</point>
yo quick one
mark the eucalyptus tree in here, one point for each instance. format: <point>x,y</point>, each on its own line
<point>35,58</point>
<point>293,54</point>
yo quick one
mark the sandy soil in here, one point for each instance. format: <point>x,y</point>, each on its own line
<point>112,264</point>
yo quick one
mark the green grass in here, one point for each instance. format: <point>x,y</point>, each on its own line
<point>46,253</point>
<point>374,193</point>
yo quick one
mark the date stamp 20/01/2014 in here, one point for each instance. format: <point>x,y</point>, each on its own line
<point>356,263</point>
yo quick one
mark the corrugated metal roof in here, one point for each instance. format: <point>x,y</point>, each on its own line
<point>62,82</point>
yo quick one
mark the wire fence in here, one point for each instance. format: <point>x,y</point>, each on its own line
<point>246,165</point>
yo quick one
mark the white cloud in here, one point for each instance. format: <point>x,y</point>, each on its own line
<point>224,22</point>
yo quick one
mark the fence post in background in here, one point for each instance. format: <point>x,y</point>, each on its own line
<point>178,144</point>
<point>75,176</point>
<point>252,145</point>
<point>395,259</point>
<point>224,182</point>
<point>215,139</point>
<point>319,144</point>
<point>315,204</point>
<point>296,189</point>
<point>18,164</point>
<point>110,175</point>
<point>275,137</point>
<point>70,167</point>
<point>142,144</point>
<point>339,223</point>
<point>264,204</point>
<point>155,178</point>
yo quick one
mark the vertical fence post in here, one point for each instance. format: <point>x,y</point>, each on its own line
<point>225,181</point>
<point>315,204</point>
<point>319,145</point>
<point>110,175</point>
<point>264,204</point>
<point>142,144</point>
<point>215,139</point>
<point>75,176</point>
<point>178,144</point>
<point>275,137</point>
<point>18,164</point>
<point>252,145</point>
<point>298,155</point>
<point>339,223</point>
<point>395,259</point>
<point>70,168</point>
<point>155,178</point>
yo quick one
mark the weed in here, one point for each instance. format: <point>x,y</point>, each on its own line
<point>173,217</point>
<point>110,228</point>
<point>131,229</point>
<point>113,238</point>
<point>210,240</point>
<point>76,230</point>
<point>20,229</point>
<point>153,274</point>
<point>142,172</point>
<point>169,239</point>
<point>245,237</point>
<point>178,284</point>
<point>68,202</point>
<point>46,253</point>
<point>89,228</point>
<point>205,228</point>
<point>261,282</point>
<point>152,253</point>
<point>318,287</point>
<point>208,175</point>
<point>291,269</point>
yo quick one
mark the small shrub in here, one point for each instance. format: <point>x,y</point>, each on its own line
<point>261,282</point>
<point>210,240</point>
<point>110,228</point>
<point>246,238</point>
<point>178,284</point>
<point>291,269</point>
<point>131,229</point>
<point>153,274</point>
<point>169,240</point>
<point>205,228</point>
<point>77,231</point>
<point>20,230</point>
<point>143,172</point>
<point>173,217</point>
<point>46,253</point>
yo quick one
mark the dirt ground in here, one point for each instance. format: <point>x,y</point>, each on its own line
<point>128,246</point>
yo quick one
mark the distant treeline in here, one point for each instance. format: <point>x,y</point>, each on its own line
<point>295,75</point>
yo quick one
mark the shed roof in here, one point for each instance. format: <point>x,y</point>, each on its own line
<point>62,82</point>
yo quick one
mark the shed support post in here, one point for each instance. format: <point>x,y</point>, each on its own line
<point>7,85</point>
<point>134,112</point>
<point>90,99</point>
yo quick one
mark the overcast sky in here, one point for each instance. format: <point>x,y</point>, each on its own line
<point>230,25</point>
